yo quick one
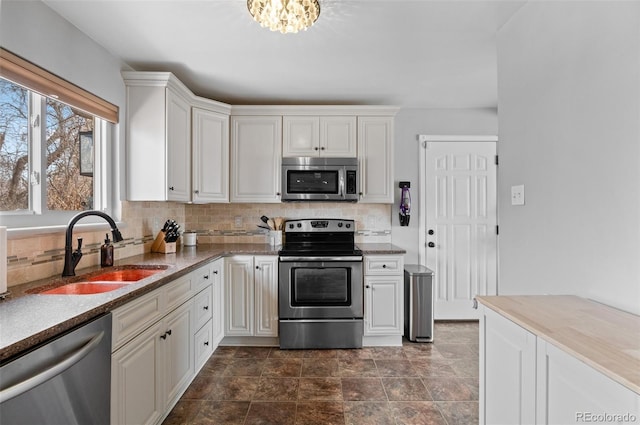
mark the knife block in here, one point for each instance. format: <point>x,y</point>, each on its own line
<point>159,245</point>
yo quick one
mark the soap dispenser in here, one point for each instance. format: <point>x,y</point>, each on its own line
<point>106,253</point>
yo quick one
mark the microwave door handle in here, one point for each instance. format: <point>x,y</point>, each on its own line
<point>341,186</point>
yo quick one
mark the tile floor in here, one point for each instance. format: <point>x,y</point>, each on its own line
<point>413,384</point>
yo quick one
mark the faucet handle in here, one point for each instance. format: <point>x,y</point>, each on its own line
<point>79,244</point>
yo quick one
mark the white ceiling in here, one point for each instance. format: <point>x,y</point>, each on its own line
<point>420,54</point>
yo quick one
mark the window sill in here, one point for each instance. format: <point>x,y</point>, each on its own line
<point>28,232</point>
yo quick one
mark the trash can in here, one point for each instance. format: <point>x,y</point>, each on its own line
<point>418,303</point>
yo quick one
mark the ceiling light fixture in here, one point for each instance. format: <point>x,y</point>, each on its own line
<point>284,15</point>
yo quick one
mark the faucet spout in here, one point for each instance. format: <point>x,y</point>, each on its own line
<point>71,259</point>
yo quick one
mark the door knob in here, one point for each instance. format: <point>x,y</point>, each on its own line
<point>431,245</point>
<point>430,232</point>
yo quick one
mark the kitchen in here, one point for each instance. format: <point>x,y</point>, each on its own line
<point>556,101</point>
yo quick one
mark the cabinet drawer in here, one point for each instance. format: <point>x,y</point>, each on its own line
<point>178,291</point>
<point>383,264</point>
<point>203,341</point>
<point>201,278</point>
<point>134,317</point>
<point>203,305</point>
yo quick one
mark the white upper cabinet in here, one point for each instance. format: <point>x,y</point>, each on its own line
<point>375,158</point>
<point>210,156</point>
<point>256,149</point>
<point>326,136</point>
<point>177,144</point>
<point>158,137</point>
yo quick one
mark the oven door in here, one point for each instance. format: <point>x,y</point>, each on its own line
<point>320,288</point>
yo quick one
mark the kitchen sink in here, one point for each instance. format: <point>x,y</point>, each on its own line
<point>84,288</point>
<point>102,281</point>
<point>125,275</point>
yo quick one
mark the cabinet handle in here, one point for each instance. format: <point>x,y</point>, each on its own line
<point>322,148</point>
<point>384,266</point>
<point>475,304</point>
<point>277,193</point>
<point>206,307</point>
<point>171,188</point>
<point>215,272</point>
<point>206,343</point>
<point>196,191</point>
<point>257,267</point>
<point>316,148</point>
<point>206,276</point>
<point>165,334</point>
<point>367,286</point>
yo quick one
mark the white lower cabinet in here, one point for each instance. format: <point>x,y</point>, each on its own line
<point>570,391</point>
<point>251,295</point>
<point>508,370</point>
<point>383,299</point>
<point>527,380</point>
<point>160,340</point>
<point>151,371</point>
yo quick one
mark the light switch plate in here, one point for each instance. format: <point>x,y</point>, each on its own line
<point>238,221</point>
<point>517,195</point>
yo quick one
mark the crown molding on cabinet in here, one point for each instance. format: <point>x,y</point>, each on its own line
<point>315,110</point>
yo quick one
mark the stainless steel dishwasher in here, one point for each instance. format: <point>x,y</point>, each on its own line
<point>65,381</point>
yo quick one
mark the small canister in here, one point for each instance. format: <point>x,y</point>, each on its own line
<point>189,238</point>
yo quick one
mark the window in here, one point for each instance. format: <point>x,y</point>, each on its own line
<point>53,153</point>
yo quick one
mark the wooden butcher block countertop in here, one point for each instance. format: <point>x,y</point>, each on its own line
<point>603,337</point>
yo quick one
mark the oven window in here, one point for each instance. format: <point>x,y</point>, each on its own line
<point>323,182</point>
<point>321,287</point>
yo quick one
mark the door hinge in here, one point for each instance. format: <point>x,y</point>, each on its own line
<point>497,230</point>
<point>496,159</point>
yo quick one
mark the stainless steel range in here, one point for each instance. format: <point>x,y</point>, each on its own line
<point>320,285</point>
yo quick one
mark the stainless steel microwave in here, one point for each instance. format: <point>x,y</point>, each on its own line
<point>320,179</point>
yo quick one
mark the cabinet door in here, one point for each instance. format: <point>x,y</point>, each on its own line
<point>569,391</point>
<point>135,398</point>
<point>375,158</point>
<point>178,160</point>
<point>210,157</point>
<point>300,136</point>
<point>338,137</point>
<point>266,295</point>
<point>383,308</point>
<point>217,315</point>
<point>177,351</point>
<point>507,371</point>
<point>239,289</point>
<point>256,146</point>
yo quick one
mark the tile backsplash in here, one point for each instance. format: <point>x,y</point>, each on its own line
<point>38,257</point>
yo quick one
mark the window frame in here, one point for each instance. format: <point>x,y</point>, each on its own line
<point>41,85</point>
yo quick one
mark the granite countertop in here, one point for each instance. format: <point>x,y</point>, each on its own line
<point>28,319</point>
<point>603,337</point>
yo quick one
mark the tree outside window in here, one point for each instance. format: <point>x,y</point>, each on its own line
<point>24,139</point>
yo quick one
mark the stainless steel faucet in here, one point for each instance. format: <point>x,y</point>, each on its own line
<point>71,259</point>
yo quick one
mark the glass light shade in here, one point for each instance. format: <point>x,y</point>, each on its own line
<point>286,16</point>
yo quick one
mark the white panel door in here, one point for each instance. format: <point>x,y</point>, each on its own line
<point>178,148</point>
<point>266,295</point>
<point>210,156</point>
<point>460,227</point>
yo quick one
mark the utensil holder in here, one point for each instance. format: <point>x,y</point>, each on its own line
<point>159,245</point>
<point>275,237</point>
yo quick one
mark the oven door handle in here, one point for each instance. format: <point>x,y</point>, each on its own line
<point>323,259</point>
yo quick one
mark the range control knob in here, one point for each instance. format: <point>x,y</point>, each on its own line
<point>348,225</point>
<point>299,225</point>
<point>340,224</point>
<point>290,225</point>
